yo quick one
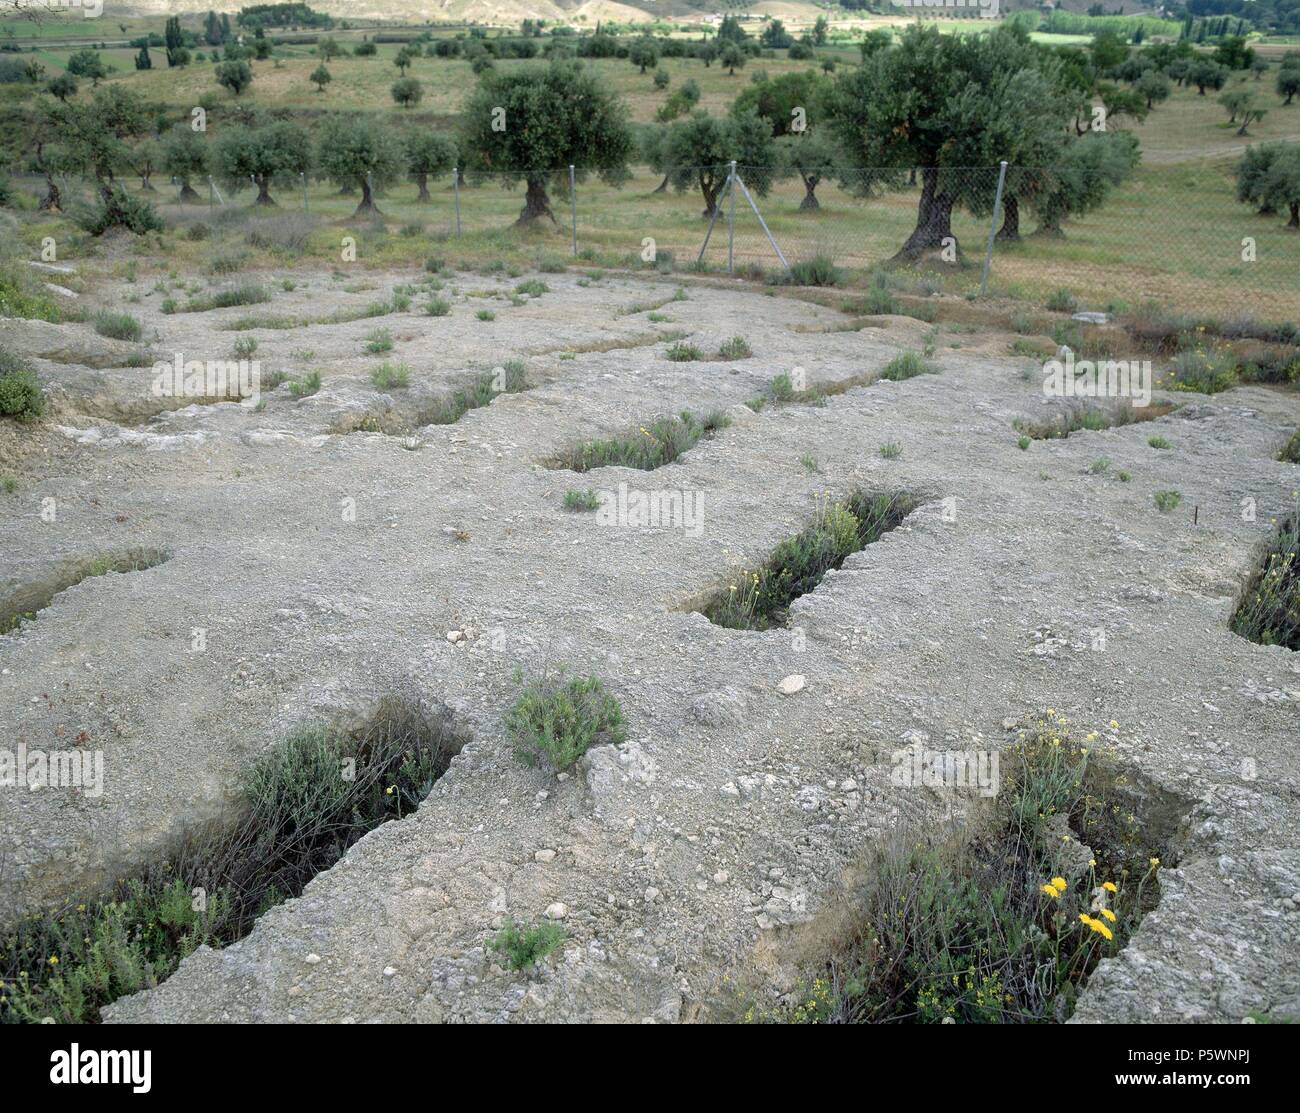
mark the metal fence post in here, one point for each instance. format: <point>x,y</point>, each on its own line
<point>212,201</point>
<point>573,204</point>
<point>455,181</point>
<point>731,220</point>
<point>763,224</point>
<point>993,228</point>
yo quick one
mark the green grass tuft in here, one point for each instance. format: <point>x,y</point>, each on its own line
<point>524,944</point>
<point>648,447</point>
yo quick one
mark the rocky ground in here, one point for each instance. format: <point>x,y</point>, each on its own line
<point>324,569</point>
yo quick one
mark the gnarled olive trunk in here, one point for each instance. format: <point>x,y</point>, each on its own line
<point>1294,222</point>
<point>264,191</point>
<point>536,203</point>
<point>189,194</point>
<point>710,189</point>
<point>809,201</point>
<point>52,202</point>
<point>367,205</point>
<point>933,218</point>
<point>422,180</point>
<point>662,187</point>
<point>1010,229</point>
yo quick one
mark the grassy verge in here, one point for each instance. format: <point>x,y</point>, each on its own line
<point>758,599</point>
<point>299,807</point>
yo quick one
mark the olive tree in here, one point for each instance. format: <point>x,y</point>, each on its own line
<point>1268,176</point>
<point>359,153</point>
<point>794,107</point>
<point>698,151</point>
<point>63,86</point>
<point>88,63</point>
<point>264,154</point>
<point>1153,87</point>
<point>530,124</point>
<point>185,156</point>
<point>1288,82</point>
<point>1081,177</point>
<point>814,156</point>
<point>427,154</point>
<point>1205,74</point>
<point>235,75</point>
<point>93,139</point>
<point>407,91</point>
<point>943,104</point>
<point>643,53</point>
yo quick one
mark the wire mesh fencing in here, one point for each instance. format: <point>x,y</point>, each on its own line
<point>1171,236</point>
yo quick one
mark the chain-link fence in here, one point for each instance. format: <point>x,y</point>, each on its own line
<point>1172,236</point>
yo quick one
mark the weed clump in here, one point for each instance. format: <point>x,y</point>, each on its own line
<point>559,722</point>
<point>648,447</point>
<point>391,376</point>
<point>247,293</point>
<point>524,944</point>
<point>1005,925</point>
<point>1269,611</point>
<point>735,348</point>
<point>681,352</point>
<point>820,270</point>
<point>294,815</point>
<point>906,366</point>
<point>117,326</point>
<point>581,501</point>
<point>20,392</point>
<point>305,387</point>
<point>507,379</point>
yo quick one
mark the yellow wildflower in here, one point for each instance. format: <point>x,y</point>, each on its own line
<point>1109,886</point>
<point>1101,929</point>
